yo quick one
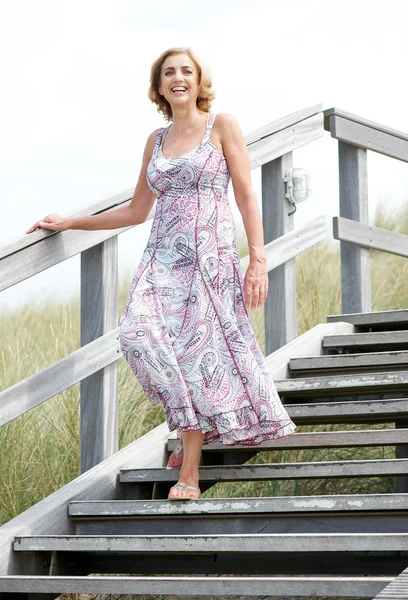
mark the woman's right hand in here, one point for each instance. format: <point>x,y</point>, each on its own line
<point>53,222</point>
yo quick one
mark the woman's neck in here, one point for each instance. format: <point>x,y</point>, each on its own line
<point>187,119</point>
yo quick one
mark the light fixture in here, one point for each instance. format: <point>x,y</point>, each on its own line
<point>297,183</point>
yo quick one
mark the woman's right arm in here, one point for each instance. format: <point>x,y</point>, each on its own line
<point>136,212</point>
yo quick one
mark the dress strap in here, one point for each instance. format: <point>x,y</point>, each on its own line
<point>210,123</point>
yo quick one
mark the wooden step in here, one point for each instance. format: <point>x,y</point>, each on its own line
<point>327,514</point>
<point>377,320</point>
<point>360,411</point>
<point>380,340</point>
<point>264,472</point>
<point>273,587</point>
<point>347,503</point>
<point>335,385</point>
<point>349,362</point>
<point>236,543</point>
<point>327,439</point>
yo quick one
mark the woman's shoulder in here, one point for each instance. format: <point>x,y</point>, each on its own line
<point>225,119</point>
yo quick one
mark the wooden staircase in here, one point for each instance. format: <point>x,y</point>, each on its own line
<point>325,546</point>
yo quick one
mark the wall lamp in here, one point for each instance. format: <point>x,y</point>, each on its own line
<point>297,184</point>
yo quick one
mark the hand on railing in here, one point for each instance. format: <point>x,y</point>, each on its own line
<point>53,222</point>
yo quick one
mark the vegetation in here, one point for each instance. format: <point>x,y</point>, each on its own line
<point>39,452</point>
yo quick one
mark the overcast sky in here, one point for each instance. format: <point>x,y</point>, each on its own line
<point>75,114</point>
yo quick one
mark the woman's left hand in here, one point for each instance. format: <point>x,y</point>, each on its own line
<point>256,284</point>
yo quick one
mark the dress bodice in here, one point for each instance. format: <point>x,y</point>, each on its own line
<point>202,168</point>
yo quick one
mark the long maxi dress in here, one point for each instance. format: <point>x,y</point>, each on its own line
<point>185,330</point>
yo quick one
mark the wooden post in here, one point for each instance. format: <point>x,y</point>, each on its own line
<point>99,314</point>
<point>280,305</point>
<point>355,260</point>
<point>402,452</point>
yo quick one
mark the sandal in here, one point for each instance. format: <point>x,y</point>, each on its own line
<point>176,457</point>
<point>183,487</point>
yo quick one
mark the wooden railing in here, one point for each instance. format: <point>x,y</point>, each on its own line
<point>95,363</point>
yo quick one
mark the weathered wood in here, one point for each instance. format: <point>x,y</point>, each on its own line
<point>362,121</point>
<point>237,506</point>
<point>327,439</point>
<point>282,123</point>
<point>285,141</point>
<point>369,236</point>
<point>375,340</point>
<point>369,138</point>
<point>270,542</point>
<point>395,590</point>
<point>32,391</point>
<point>340,362</point>
<point>334,385</point>
<point>99,315</point>
<point>280,306</point>
<point>264,472</point>
<point>49,251</point>
<point>292,244</point>
<point>378,319</point>
<point>307,344</point>
<point>41,234</point>
<point>50,516</point>
<point>353,198</point>
<point>361,411</point>
<point>275,588</point>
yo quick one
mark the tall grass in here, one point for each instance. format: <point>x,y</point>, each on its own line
<point>39,452</point>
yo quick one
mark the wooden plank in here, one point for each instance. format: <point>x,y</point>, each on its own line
<point>50,251</point>
<point>275,588</point>
<point>360,503</point>
<point>246,542</point>
<point>292,243</point>
<point>353,204</point>
<point>368,236</point>
<point>377,319</point>
<point>376,339</point>
<point>362,121</point>
<point>361,411</point>
<point>264,472</point>
<point>396,589</point>
<point>282,123</point>
<point>307,344</point>
<point>280,306</point>
<point>50,516</point>
<point>99,391</point>
<point>32,391</point>
<point>41,234</point>
<point>332,385</point>
<point>368,138</point>
<point>327,439</point>
<point>349,361</point>
<point>287,140</point>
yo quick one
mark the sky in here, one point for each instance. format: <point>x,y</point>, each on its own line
<point>74,112</point>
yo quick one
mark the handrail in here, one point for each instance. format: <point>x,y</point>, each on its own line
<point>47,383</point>
<point>264,145</point>
<point>369,236</point>
<point>365,134</point>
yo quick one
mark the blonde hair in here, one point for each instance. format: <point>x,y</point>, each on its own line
<point>205,92</point>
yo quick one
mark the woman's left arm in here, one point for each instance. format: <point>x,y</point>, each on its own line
<point>236,154</point>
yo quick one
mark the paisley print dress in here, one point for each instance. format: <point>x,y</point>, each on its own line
<point>185,331</point>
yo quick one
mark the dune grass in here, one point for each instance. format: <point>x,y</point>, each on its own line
<point>39,452</point>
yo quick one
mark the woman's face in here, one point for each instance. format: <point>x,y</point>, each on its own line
<point>179,80</point>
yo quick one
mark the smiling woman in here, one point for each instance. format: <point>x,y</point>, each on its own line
<point>185,330</point>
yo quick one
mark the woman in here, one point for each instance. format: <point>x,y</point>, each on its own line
<point>185,331</point>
